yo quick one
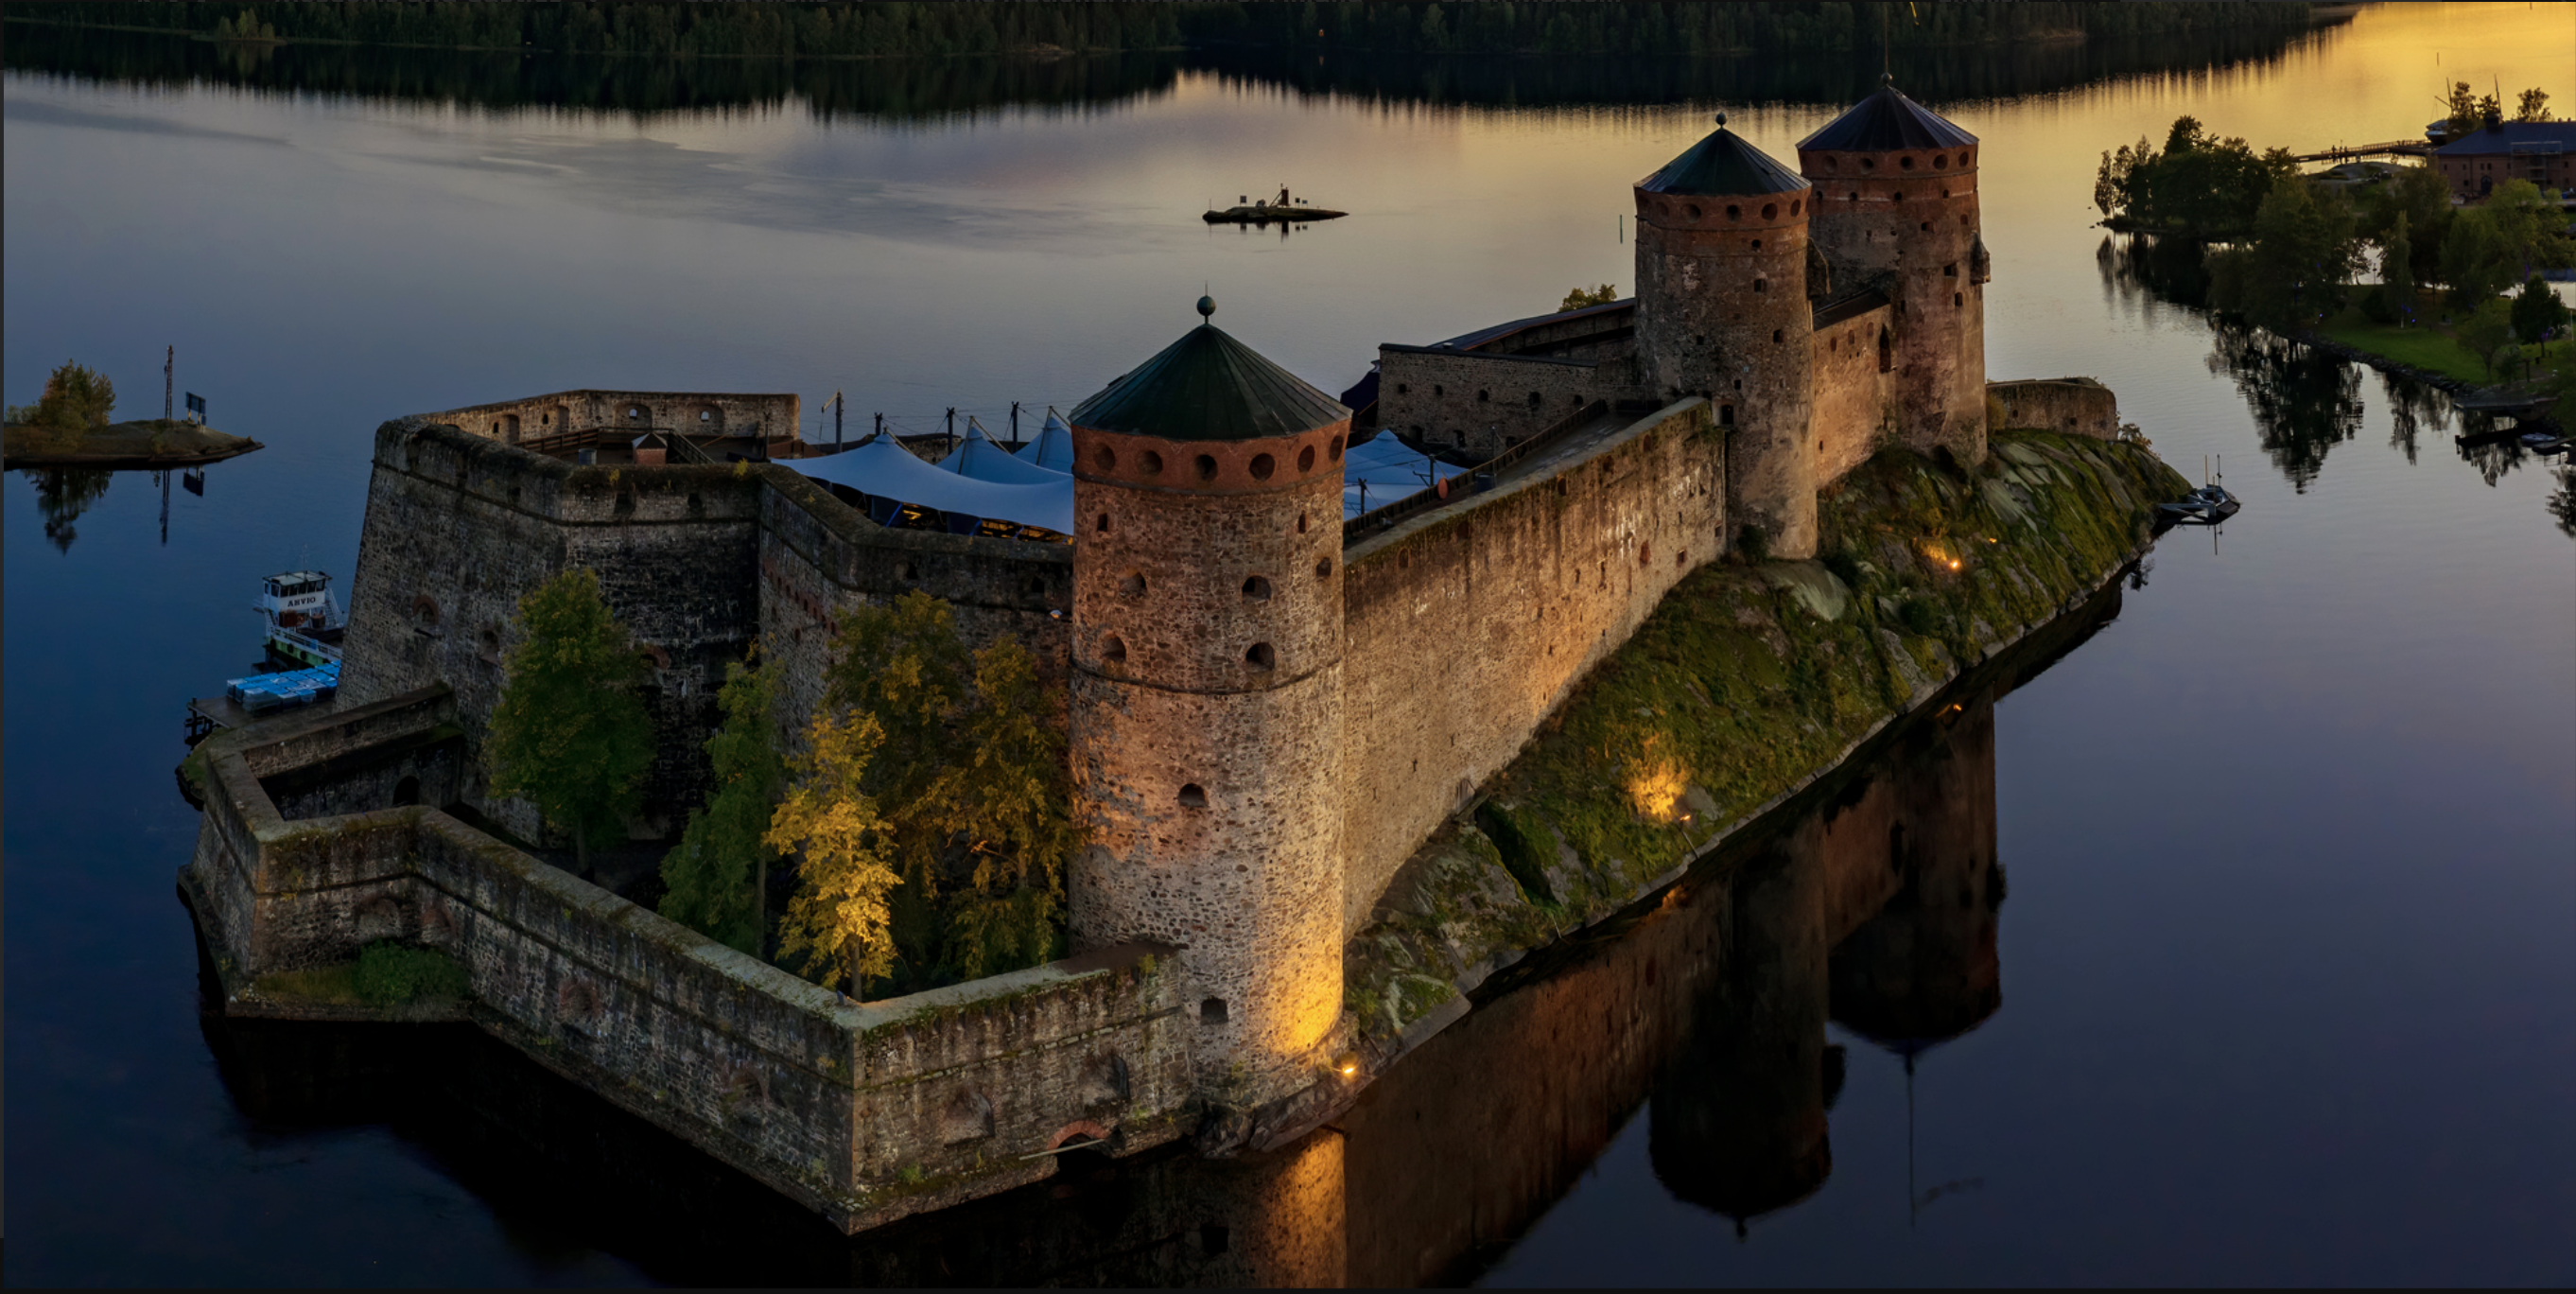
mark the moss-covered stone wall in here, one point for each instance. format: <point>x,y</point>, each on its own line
<point>1749,682</point>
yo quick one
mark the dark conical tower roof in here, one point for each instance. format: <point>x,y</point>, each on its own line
<point>1208,386</point>
<point>1723,165</point>
<point>1886,122</point>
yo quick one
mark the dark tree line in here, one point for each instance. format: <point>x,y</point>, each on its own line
<point>896,29</point>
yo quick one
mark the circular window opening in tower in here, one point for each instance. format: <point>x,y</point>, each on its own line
<point>1734,212</point>
<point>1105,458</point>
<point>1869,163</point>
<point>1212,1011</point>
<point>1833,164</point>
<point>1193,798</point>
<point>1333,449</point>
<point>1257,588</point>
<point>1770,211</point>
<point>1133,586</point>
<point>1797,206</point>
<point>1906,163</point>
<point>1691,212</point>
<point>1941,162</point>
<point>1206,466</point>
<point>1260,657</point>
<point>1150,462</point>
<point>1113,649</point>
<point>1323,568</point>
<point>1262,466</point>
<point>1963,159</point>
<point>1306,460</point>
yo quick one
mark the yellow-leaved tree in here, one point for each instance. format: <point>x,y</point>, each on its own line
<point>836,927</point>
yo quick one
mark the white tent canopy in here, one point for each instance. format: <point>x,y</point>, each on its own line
<point>1392,471</point>
<point>1053,448</point>
<point>980,456</point>
<point>883,469</point>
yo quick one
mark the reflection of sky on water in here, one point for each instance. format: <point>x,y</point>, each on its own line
<point>2288,995</point>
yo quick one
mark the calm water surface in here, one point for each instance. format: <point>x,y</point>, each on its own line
<point>2284,989</point>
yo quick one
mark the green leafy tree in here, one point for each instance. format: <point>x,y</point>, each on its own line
<point>2474,259</point>
<point>2536,310</point>
<point>717,881</point>
<point>974,778</point>
<point>2198,185</point>
<point>2486,331</point>
<point>2463,110</point>
<point>2304,255</point>
<point>2530,229</point>
<point>571,734</point>
<point>837,926</point>
<point>1581,297</point>
<point>2397,273</point>
<point>76,401</point>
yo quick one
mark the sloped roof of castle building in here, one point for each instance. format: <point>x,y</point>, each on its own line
<point>1723,165</point>
<point>1886,122</point>
<point>1208,386</point>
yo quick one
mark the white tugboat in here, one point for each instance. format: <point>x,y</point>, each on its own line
<point>302,622</point>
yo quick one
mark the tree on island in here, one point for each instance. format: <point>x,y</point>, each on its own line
<point>570,734</point>
<point>717,880</point>
<point>76,401</point>
<point>2197,186</point>
<point>1579,298</point>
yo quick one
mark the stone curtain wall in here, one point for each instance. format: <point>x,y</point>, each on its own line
<point>1468,625</point>
<point>866,1113</point>
<point>630,413</point>
<point>1432,397</point>
<point>820,557</point>
<point>1854,407</point>
<point>2069,406</point>
<point>459,528</point>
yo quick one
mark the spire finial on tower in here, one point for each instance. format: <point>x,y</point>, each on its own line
<point>1207,307</point>
<point>1721,121</point>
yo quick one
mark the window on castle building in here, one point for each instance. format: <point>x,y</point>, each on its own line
<point>1797,206</point>
<point>1869,163</point>
<point>1905,162</point>
<point>1262,466</point>
<point>1134,585</point>
<point>1113,649</point>
<point>1261,657</point>
<point>1305,460</point>
<point>1735,213</point>
<point>1323,568</point>
<point>1194,798</point>
<point>1886,352</point>
<point>1761,285</point>
<point>1150,463</point>
<point>1206,465</point>
<point>1438,390</point>
<point>1940,163</point>
<point>1770,211</point>
<point>1212,1011</point>
<point>1951,270</point>
<point>1103,527</point>
<point>1402,388</point>
<point>1958,299</point>
<point>1757,244</point>
<point>1333,449</point>
<point>1257,587</point>
<point>1779,335</point>
<point>1484,396</point>
<point>1533,399</point>
<point>1105,458</point>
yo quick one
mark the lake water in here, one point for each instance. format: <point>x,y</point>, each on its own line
<point>2284,989</point>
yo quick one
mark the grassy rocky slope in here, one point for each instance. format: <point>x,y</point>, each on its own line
<point>1747,683</point>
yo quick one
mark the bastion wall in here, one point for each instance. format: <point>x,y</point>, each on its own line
<point>632,413</point>
<point>1467,626</point>
<point>863,1112</point>
<point>1481,404</point>
<point>2069,406</point>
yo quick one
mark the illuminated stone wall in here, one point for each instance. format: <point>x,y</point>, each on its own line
<point>1855,402</point>
<point>2069,406</point>
<point>1480,405</point>
<point>1469,624</point>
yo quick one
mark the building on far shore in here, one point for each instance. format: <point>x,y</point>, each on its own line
<point>2543,152</point>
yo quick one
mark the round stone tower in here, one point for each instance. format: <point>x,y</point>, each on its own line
<point>1722,311</point>
<point>1207,697</point>
<point>1896,206</point>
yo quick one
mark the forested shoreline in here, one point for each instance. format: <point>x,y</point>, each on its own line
<point>880,30</point>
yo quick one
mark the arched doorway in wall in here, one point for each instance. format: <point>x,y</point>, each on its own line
<point>510,428</point>
<point>707,420</point>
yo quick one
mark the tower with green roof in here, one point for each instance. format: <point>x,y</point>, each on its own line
<point>1722,311</point>
<point>1206,704</point>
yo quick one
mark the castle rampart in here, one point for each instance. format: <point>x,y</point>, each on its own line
<point>2070,406</point>
<point>1468,625</point>
<point>863,1112</point>
<point>628,414</point>
<point>1500,401</point>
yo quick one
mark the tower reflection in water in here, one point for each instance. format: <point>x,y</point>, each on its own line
<point>1871,902</point>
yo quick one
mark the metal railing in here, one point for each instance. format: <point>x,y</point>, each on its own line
<point>1475,480</point>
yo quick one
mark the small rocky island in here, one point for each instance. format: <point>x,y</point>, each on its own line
<point>146,443</point>
<point>1283,210</point>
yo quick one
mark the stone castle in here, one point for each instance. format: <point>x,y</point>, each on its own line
<point>1270,710</point>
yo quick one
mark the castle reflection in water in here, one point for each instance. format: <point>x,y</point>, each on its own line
<point>1871,903</point>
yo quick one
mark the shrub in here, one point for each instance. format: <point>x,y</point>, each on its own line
<point>1922,617</point>
<point>392,974</point>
